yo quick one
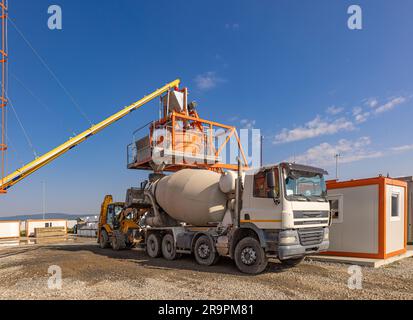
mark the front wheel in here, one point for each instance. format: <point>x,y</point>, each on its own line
<point>118,240</point>
<point>249,256</point>
<point>204,251</point>
<point>103,239</point>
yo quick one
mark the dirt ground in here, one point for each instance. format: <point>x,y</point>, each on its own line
<point>89,272</point>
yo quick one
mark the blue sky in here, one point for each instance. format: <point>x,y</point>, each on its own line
<point>290,68</point>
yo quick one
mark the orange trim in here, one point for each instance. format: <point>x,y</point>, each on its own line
<point>382,228</point>
<point>382,218</point>
<point>395,253</point>
<point>334,184</point>
<point>352,254</point>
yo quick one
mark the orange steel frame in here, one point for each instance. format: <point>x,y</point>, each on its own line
<point>381,182</point>
<point>196,121</point>
<point>3,97</point>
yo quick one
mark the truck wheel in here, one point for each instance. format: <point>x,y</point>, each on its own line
<point>103,239</point>
<point>204,251</point>
<point>249,256</point>
<point>168,247</point>
<point>118,240</point>
<point>153,245</point>
<point>292,262</point>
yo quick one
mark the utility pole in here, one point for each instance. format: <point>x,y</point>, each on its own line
<point>337,155</point>
<point>261,151</point>
<point>44,198</point>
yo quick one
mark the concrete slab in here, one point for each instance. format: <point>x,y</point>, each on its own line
<point>374,263</point>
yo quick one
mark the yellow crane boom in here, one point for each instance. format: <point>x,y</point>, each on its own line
<point>39,162</point>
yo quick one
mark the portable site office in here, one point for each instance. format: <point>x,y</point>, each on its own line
<point>409,181</point>
<point>9,229</point>
<point>369,218</point>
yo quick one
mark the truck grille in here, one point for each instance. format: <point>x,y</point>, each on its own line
<point>310,214</point>
<point>311,237</point>
<point>303,223</point>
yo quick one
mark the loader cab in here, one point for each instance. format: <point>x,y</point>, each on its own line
<point>113,212</point>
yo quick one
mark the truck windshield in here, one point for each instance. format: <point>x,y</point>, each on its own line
<point>302,185</point>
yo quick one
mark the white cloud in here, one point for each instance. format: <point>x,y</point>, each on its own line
<point>362,117</point>
<point>350,151</point>
<point>403,148</point>
<point>232,26</point>
<point>247,123</point>
<point>314,128</point>
<point>372,102</point>
<point>333,110</point>
<point>357,110</point>
<point>390,105</point>
<point>207,80</point>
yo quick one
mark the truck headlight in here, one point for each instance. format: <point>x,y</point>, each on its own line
<point>326,234</point>
<point>288,240</point>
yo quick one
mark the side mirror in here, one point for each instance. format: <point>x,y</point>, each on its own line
<point>270,179</point>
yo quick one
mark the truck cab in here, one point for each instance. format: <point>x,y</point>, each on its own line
<point>286,206</point>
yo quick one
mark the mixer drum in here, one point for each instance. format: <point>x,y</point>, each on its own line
<point>192,196</point>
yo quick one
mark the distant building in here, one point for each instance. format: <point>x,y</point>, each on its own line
<point>46,223</point>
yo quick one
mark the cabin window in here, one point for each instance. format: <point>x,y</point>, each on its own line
<point>261,188</point>
<point>336,208</point>
<point>395,205</point>
<point>259,185</point>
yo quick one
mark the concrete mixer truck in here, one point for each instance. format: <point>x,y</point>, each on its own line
<point>277,211</point>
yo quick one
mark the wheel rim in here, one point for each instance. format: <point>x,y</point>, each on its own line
<point>169,247</point>
<point>204,251</point>
<point>248,256</point>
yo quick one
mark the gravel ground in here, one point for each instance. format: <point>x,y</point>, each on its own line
<point>89,272</point>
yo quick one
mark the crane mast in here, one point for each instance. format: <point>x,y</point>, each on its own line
<point>39,162</point>
<point>3,95</point>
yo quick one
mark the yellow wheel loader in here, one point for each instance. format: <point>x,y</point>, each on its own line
<point>118,225</point>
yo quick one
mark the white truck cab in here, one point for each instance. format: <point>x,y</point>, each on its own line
<point>286,205</point>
